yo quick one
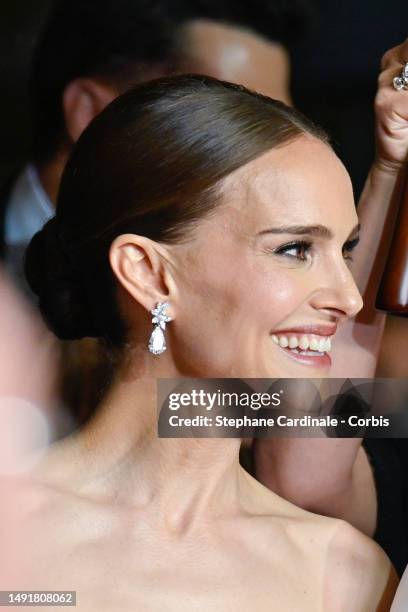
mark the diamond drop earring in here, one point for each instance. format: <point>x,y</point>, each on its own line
<point>157,342</point>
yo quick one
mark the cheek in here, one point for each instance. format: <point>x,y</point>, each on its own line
<point>215,296</point>
<point>203,331</point>
<point>234,295</point>
<point>213,313</point>
<point>229,306</point>
<point>275,293</point>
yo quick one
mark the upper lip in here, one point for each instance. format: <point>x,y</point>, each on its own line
<point>318,330</point>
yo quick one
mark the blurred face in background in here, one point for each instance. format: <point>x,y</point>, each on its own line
<point>226,52</point>
<point>234,54</point>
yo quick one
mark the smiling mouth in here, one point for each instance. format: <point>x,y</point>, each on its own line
<point>307,349</point>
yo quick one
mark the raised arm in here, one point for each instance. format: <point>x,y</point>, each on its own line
<point>357,343</point>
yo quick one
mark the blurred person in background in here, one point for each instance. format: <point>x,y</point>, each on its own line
<point>87,54</point>
<point>90,52</point>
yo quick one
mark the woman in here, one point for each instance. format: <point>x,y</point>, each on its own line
<point>232,209</point>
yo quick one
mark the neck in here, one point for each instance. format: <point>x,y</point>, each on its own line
<point>184,480</point>
<point>50,174</point>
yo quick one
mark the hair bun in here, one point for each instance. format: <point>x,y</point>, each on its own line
<point>56,281</point>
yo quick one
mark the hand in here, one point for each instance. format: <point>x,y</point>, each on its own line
<point>391,107</point>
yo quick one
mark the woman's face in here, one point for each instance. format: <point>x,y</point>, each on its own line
<point>267,278</point>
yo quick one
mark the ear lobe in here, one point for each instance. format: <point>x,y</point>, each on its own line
<point>82,100</point>
<point>138,266</point>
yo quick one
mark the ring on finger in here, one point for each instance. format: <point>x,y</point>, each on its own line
<point>401,82</point>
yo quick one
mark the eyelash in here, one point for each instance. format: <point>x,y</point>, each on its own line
<point>306,246</point>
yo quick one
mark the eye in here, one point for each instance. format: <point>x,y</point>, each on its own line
<point>296,250</point>
<point>349,247</point>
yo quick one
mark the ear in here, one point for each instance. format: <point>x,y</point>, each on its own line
<point>82,100</point>
<point>143,269</point>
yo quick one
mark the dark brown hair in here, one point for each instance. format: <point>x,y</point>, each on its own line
<point>149,164</point>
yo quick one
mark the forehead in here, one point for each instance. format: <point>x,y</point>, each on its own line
<point>302,182</point>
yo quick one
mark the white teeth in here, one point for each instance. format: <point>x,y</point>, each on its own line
<point>327,345</point>
<point>293,342</point>
<point>304,343</point>
<point>314,344</point>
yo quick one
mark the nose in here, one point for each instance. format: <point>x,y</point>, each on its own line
<point>338,292</point>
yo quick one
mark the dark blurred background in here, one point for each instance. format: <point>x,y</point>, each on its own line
<point>334,71</point>
<point>20,24</point>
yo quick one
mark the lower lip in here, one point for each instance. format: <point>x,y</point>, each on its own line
<point>316,361</point>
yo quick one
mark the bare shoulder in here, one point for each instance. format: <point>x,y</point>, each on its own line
<point>359,577</point>
<point>59,464</point>
<point>47,492</point>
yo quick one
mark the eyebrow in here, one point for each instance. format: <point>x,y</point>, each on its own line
<point>300,230</point>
